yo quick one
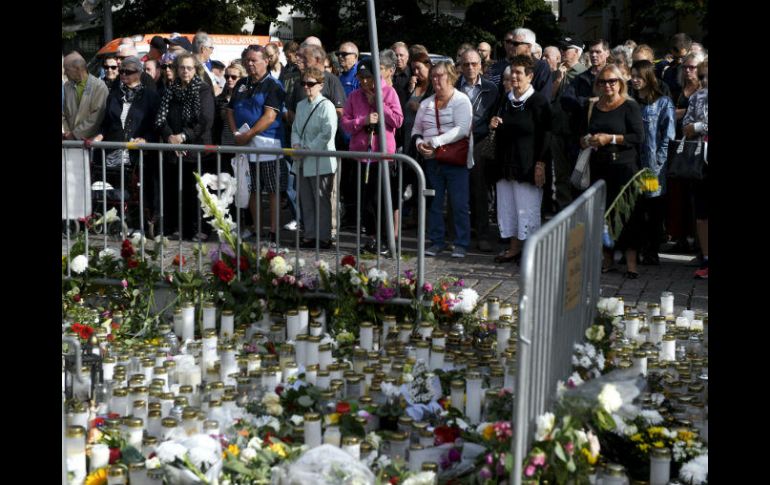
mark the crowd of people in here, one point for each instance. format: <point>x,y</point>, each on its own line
<point>495,138</point>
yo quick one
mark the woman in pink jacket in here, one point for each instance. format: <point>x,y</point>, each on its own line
<point>359,120</point>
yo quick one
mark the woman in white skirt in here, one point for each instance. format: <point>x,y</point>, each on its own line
<point>522,155</point>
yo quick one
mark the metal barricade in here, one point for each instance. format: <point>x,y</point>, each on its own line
<point>78,150</point>
<point>560,272</point>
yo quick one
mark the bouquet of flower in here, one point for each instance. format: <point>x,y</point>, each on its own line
<point>587,361</point>
<point>451,303</point>
<point>195,460</point>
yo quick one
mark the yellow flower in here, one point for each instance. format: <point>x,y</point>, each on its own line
<point>591,459</point>
<point>154,341</point>
<point>655,431</point>
<point>644,447</point>
<point>650,184</point>
<point>332,418</point>
<point>99,477</point>
<point>685,435</point>
<point>278,449</point>
<point>489,432</point>
<point>337,312</point>
<point>658,444</point>
<point>233,450</point>
<point>636,437</point>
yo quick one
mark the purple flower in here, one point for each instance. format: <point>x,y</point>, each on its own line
<point>490,459</point>
<point>459,282</point>
<point>226,249</point>
<point>485,473</point>
<point>384,293</point>
<point>409,274</point>
<point>454,454</point>
<point>427,287</point>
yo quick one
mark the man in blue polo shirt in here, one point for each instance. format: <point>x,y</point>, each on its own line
<point>348,58</point>
<point>257,102</point>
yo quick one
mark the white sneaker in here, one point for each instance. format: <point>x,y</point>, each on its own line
<point>291,226</point>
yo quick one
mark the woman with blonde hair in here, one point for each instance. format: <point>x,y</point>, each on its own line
<point>615,131</point>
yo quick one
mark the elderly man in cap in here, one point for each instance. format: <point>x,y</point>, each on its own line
<point>178,43</point>
<point>85,98</point>
<point>157,49</point>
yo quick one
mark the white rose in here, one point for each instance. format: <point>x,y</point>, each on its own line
<point>168,451</point>
<point>248,454</point>
<point>79,264</point>
<point>108,253</point>
<point>275,409</point>
<point>152,463</point>
<point>137,239</point>
<point>610,398</point>
<point>407,378</point>
<point>545,423</point>
<point>278,266</point>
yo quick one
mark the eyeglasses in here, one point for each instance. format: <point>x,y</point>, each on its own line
<point>691,68</point>
<point>187,68</point>
<point>515,43</point>
<point>110,67</point>
<point>438,75</point>
<point>611,82</point>
<point>468,64</point>
<point>126,72</point>
<point>165,66</point>
<point>345,54</point>
<point>232,76</point>
<point>309,84</point>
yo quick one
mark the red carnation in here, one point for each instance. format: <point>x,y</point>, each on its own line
<point>270,255</point>
<point>132,263</point>
<point>343,407</point>
<point>393,480</point>
<point>126,249</point>
<point>349,260</point>
<point>76,298</point>
<point>114,455</point>
<point>279,390</point>
<point>446,434</point>
<point>222,271</point>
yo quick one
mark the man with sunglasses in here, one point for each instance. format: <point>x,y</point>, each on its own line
<point>348,59</point>
<point>483,95</point>
<point>520,42</point>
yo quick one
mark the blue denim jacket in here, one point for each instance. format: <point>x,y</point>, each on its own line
<point>659,128</point>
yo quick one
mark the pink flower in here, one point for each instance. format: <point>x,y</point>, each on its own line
<point>275,281</point>
<point>529,471</point>
<point>538,460</point>
<point>569,448</point>
<point>427,287</point>
<point>124,283</point>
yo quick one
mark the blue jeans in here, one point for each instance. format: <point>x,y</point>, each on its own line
<point>291,192</point>
<point>454,179</point>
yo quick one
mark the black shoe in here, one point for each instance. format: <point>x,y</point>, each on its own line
<point>371,247</point>
<point>650,259</point>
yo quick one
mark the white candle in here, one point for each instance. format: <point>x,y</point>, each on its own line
<point>506,309</point>
<point>367,335</point>
<point>632,327</point>
<point>415,457</point>
<point>668,348</point>
<point>422,352</point>
<point>300,349</point>
<point>304,319</point>
<point>640,363</point>
<point>493,309</point>
<point>425,330</point>
<point>100,456</point>
<point>404,331</point>
<point>657,329</point>
<point>292,324</point>
<point>311,374</point>
<point>209,317</point>
<point>473,393</point>
<point>352,446</point>
<point>325,356</point>
<point>188,322</point>
<point>503,334</point>
<point>108,369</point>
<point>312,427</point>
<point>437,358</point>
<point>178,322</point>
<point>322,380</point>
<point>76,453</point>
<point>666,303</point>
<point>291,370</point>
<point>388,325</point>
<point>682,322</point>
<point>457,395</point>
<point>439,340</point>
<point>689,315</point>
<point>316,329</point>
<point>620,309</point>
<point>660,466</point>
<point>312,354</point>
<point>209,354</point>
<point>332,436</point>
<point>227,324</point>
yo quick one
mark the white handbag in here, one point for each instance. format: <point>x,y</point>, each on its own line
<point>241,170</point>
<point>581,176</point>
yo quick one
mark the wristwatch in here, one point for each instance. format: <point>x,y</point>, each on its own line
<point>184,137</point>
<point>614,140</point>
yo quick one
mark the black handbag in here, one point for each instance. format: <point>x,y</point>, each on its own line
<point>686,159</point>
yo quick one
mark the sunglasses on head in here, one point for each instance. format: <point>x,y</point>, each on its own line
<point>110,67</point>
<point>127,72</point>
<point>611,82</point>
<point>309,84</point>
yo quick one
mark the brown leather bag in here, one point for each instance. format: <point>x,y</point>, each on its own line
<point>455,153</point>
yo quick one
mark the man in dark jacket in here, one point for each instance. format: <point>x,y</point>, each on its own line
<point>483,96</point>
<point>519,42</point>
<point>577,95</point>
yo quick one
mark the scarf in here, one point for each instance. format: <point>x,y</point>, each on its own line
<point>129,95</point>
<point>517,102</point>
<point>188,97</point>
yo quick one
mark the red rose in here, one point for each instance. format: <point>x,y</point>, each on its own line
<point>114,455</point>
<point>244,263</point>
<point>446,434</point>
<point>126,249</point>
<point>279,390</point>
<point>76,298</point>
<point>132,263</point>
<point>349,260</point>
<point>222,271</point>
<point>270,255</point>
<point>393,480</point>
<point>343,407</point>
<point>176,260</point>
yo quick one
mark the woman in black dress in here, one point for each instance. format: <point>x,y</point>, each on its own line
<point>522,153</point>
<point>185,116</point>
<point>615,131</point>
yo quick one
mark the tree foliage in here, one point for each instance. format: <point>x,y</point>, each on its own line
<point>647,16</point>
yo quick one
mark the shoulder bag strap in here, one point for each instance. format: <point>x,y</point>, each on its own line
<point>438,123</point>
<point>302,133</point>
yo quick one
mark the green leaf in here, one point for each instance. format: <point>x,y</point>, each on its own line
<point>129,454</point>
<point>305,401</point>
<point>571,465</point>
<point>508,462</point>
<point>559,450</point>
<point>237,466</point>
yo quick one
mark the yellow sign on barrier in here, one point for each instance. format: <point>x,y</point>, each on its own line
<point>574,280</point>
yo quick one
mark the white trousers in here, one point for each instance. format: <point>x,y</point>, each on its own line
<point>76,182</point>
<point>518,208</point>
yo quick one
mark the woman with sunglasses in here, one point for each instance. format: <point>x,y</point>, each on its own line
<point>222,134</point>
<point>167,73</point>
<point>110,67</point>
<point>129,117</point>
<point>615,131</point>
<point>185,116</point>
<point>314,128</point>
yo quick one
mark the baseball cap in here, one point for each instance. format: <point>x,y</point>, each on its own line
<point>571,42</point>
<point>181,41</point>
